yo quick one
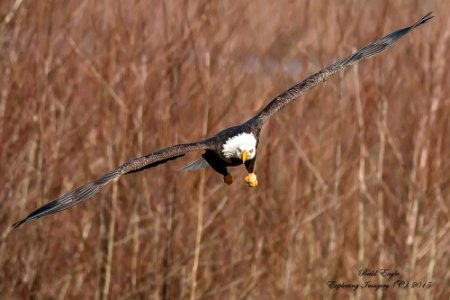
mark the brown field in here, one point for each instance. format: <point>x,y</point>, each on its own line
<point>354,175</point>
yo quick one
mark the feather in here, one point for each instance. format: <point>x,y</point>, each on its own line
<point>195,165</point>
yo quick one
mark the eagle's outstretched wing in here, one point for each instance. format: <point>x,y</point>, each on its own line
<point>135,165</point>
<point>370,50</point>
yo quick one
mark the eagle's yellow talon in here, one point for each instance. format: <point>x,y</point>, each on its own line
<point>251,180</point>
<point>228,179</point>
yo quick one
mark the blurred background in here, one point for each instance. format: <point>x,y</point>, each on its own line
<point>353,175</point>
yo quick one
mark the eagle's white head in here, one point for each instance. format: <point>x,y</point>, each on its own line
<point>242,146</point>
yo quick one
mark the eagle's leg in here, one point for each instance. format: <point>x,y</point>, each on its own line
<point>218,166</point>
<point>251,178</point>
<point>228,179</point>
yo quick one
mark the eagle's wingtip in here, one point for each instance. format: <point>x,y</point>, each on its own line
<point>424,19</point>
<point>17,224</point>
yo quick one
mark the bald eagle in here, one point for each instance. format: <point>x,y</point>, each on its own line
<point>230,147</point>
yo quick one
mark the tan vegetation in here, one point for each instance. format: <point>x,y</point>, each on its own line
<point>354,175</point>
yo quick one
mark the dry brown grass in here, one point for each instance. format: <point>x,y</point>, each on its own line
<point>354,175</point>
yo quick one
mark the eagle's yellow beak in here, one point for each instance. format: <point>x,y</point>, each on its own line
<point>244,156</point>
